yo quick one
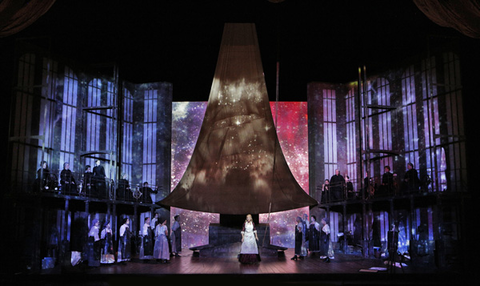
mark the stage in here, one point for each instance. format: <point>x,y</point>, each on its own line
<point>350,269</point>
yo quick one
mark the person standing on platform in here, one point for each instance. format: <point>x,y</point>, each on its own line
<point>87,181</point>
<point>176,236</point>
<point>93,243</point>
<point>313,236</point>
<point>325,241</point>
<point>161,249</point>
<point>124,242</point>
<point>412,182</point>
<point>99,180</point>
<point>42,182</point>
<point>300,250</point>
<point>387,182</point>
<point>146,246</point>
<point>349,188</point>
<point>147,191</point>
<point>249,249</point>
<point>325,195</point>
<point>337,185</point>
<point>106,236</point>
<point>67,180</point>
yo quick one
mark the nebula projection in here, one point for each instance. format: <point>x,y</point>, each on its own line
<point>292,132</point>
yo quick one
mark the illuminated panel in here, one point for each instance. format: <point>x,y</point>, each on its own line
<point>292,132</point>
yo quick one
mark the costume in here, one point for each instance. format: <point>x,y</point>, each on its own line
<point>324,240</point>
<point>98,181</point>
<point>147,191</point>
<point>314,236</point>
<point>337,183</point>
<point>93,246</point>
<point>160,250</point>
<point>87,183</point>
<point>106,238</point>
<point>387,184</point>
<point>124,244</point>
<point>249,249</point>
<point>67,181</point>
<point>412,181</point>
<point>300,248</point>
<point>176,238</point>
<point>146,244</point>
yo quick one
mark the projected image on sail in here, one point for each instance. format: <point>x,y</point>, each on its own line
<point>237,166</point>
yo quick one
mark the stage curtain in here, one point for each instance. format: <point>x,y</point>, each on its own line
<point>462,15</point>
<point>16,15</point>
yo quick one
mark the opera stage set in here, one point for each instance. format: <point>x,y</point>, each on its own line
<point>213,162</point>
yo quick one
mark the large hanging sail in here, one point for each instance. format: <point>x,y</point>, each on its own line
<point>237,166</point>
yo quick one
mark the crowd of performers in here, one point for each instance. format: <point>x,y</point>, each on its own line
<point>339,188</point>
<point>312,237</point>
<point>92,183</point>
<point>155,243</point>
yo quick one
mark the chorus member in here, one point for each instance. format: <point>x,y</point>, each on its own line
<point>67,180</point>
<point>325,241</point>
<point>147,241</point>
<point>124,242</point>
<point>249,250</point>
<point>98,180</point>
<point>147,192</point>
<point>161,249</point>
<point>106,236</point>
<point>300,250</point>
<point>349,187</point>
<point>337,183</point>
<point>153,223</point>
<point>43,177</point>
<point>87,181</point>
<point>123,190</point>
<point>325,196</point>
<point>387,181</point>
<point>93,243</point>
<point>176,236</point>
<point>305,224</point>
<point>313,235</point>
<point>411,179</point>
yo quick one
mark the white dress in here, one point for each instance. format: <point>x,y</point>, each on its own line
<point>249,249</point>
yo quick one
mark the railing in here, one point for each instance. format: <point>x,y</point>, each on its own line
<point>81,185</point>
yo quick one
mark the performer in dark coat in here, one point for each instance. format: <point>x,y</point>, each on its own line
<point>123,191</point>
<point>98,180</point>
<point>300,250</point>
<point>412,182</point>
<point>314,235</point>
<point>349,187</point>
<point>42,182</point>
<point>93,244</point>
<point>87,181</point>
<point>324,240</point>
<point>337,184</point>
<point>146,191</point>
<point>176,236</point>
<point>106,237</point>
<point>124,242</point>
<point>147,241</point>
<point>67,180</point>
<point>387,182</point>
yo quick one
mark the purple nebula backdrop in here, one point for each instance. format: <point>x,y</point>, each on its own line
<point>292,132</point>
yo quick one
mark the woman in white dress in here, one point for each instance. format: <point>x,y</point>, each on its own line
<point>160,250</point>
<point>249,249</point>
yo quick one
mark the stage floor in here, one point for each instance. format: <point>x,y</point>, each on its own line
<point>344,269</point>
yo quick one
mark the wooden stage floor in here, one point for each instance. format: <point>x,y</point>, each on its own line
<point>343,270</point>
